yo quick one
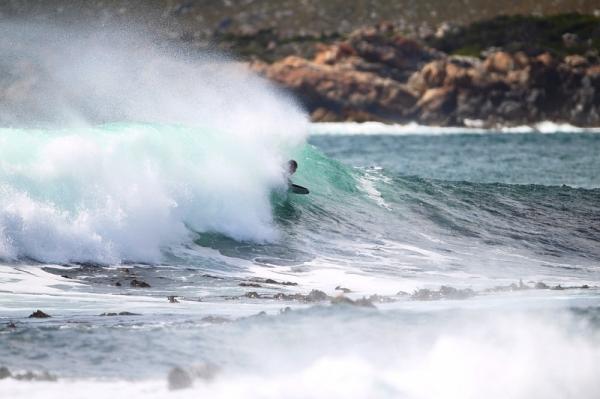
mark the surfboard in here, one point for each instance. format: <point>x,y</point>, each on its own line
<point>296,189</point>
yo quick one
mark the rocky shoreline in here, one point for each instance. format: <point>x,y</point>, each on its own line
<point>377,74</point>
<point>503,71</point>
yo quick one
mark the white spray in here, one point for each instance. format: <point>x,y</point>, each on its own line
<point>187,144</point>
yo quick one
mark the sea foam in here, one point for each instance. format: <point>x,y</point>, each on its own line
<point>139,147</point>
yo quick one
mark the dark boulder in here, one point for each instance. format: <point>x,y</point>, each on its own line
<point>139,284</point>
<point>38,314</point>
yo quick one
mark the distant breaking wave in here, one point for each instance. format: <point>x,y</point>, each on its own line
<point>378,128</point>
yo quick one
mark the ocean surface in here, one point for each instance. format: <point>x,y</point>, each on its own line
<point>476,252</point>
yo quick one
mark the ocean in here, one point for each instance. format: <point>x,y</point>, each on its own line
<point>144,207</point>
<point>425,262</point>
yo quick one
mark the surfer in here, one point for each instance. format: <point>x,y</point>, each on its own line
<point>294,188</point>
<point>292,166</point>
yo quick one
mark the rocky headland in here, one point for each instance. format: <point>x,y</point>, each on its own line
<point>428,65</point>
<point>544,69</point>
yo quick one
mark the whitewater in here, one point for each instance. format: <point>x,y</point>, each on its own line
<point>144,207</point>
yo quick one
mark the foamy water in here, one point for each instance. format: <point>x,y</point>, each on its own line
<point>425,262</point>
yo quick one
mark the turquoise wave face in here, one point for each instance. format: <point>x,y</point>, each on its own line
<point>377,220</point>
<point>128,192</point>
<point>141,193</point>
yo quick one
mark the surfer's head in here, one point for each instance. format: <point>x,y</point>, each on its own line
<point>292,166</point>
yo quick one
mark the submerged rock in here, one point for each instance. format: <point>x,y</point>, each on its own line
<point>215,319</point>
<point>38,314</point>
<point>343,300</point>
<point>27,376</point>
<point>31,376</point>
<point>445,292</point>
<point>317,296</point>
<point>255,285</point>
<point>119,314</point>
<point>269,281</point>
<point>139,284</point>
<point>178,378</point>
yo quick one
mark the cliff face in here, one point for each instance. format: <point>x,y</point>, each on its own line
<point>377,74</point>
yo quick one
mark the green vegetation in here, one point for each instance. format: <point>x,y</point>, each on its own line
<point>561,34</point>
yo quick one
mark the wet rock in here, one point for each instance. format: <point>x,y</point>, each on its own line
<point>11,325</point>
<point>541,285</point>
<point>425,294</point>
<point>317,296</point>
<point>313,296</point>
<point>343,300</point>
<point>445,292</point>
<point>252,295</point>
<point>250,285</point>
<point>271,281</point>
<point>215,319</point>
<point>178,378</point>
<point>31,376</point>
<point>38,314</point>
<point>119,314</point>
<point>139,284</point>
<point>455,293</point>
<point>27,376</point>
<point>375,298</point>
<point>511,287</point>
<point>118,284</point>
<point>172,299</point>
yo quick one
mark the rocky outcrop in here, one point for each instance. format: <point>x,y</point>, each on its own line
<point>38,314</point>
<point>376,74</point>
